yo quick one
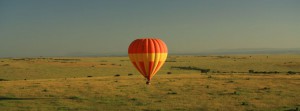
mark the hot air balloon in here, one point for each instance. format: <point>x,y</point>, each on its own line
<point>148,55</point>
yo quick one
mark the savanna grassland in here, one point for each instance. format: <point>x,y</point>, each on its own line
<point>233,83</point>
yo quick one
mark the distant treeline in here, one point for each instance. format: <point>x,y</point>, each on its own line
<point>263,72</point>
<point>191,68</point>
<point>204,70</point>
<point>28,59</point>
<point>68,59</point>
<point>270,72</point>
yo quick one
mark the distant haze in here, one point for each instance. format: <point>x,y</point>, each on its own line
<point>30,28</point>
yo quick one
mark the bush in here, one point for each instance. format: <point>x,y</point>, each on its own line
<point>291,72</point>
<point>205,70</point>
<point>5,65</point>
<point>172,92</point>
<point>74,98</point>
<point>3,79</point>
<point>251,71</point>
<point>244,103</point>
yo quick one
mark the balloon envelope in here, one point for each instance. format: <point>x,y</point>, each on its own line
<point>148,55</point>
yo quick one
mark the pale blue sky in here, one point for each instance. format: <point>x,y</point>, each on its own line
<point>68,27</point>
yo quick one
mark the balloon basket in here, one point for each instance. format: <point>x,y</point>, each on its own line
<point>148,83</point>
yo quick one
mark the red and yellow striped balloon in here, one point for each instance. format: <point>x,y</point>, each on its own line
<point>148,55</point>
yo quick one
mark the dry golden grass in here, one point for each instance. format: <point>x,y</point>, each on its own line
<point>45,68</point>
<point>167,92</point>
<point>62,84</point>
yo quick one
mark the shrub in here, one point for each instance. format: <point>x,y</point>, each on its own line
<point>5,65</point>
<point>244,103</point>
<point>251,71</point>
<point>207,86</point>
<point>205,70</point>
<point>172,92</point>
<point>45,90</point>
<point>133,99</point>
<point>3,79</point>
<point>74,98</point>
<point>236,93</point>
<point>291,72</point>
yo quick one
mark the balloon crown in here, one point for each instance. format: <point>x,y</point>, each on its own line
<point>149,38</point>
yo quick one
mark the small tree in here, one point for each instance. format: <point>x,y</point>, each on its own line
<point>251,71</point>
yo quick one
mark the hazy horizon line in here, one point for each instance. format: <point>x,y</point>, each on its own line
<point>208,52</point>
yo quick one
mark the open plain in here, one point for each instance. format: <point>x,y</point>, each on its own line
<point>231,82</point>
